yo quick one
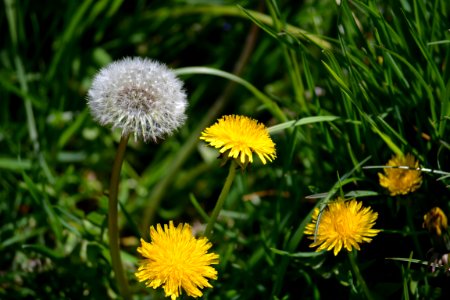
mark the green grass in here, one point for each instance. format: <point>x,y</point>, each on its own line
<point>339,86</point>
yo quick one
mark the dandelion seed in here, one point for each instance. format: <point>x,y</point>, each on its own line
<point>175,259</point>
<point>139,96</point>
<point>401,181</point>
<point>238,137</point>
<point>343,224</point>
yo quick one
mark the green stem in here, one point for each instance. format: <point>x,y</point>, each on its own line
<point>113,228</point>
<point>411,228</point>
<point>223,195</point>
<point>358,276</point>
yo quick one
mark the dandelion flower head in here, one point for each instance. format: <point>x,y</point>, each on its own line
<point>139,96</point>
<point>401,181</point>
<point>238,137</point>
<point>175,259</point>
<point>435,221</point>
<point>342,224</point>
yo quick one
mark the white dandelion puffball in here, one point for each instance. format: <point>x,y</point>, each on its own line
<point>140,96</point>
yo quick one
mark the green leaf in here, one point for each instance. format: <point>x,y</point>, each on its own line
<point>14,164</point>
<point>41,199</point>
<point>303,121</point>
<point>360,193</point>
<point>297,254</point>
<point>269,104</point>
<point>47,252</point>
<point>72,129</point>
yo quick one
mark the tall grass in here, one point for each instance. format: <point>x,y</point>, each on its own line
<point>343,86</point>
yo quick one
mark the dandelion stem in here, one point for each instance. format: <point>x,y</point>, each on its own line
<point>113,228</point>
<point>411,229</point>
<point>359,278</point>
<point>223,195</point>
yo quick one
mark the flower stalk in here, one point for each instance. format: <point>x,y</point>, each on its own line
<point>113,228</point>
<point>143,98</point>
<point>237,138</point>
<point>221,200</point>
<point>357,274</point>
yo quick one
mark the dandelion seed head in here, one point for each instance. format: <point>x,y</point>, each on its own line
<point>139,96</point>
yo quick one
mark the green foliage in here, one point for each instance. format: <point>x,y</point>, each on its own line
<point>340,86</point>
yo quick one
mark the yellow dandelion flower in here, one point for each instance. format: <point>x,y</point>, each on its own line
<point>342,224</point>
<point>435,221</point>
<point>175,259</point>
<point>240,136</point>
<point>401,181</point>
